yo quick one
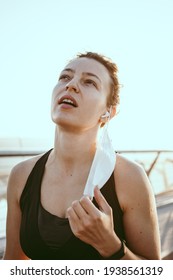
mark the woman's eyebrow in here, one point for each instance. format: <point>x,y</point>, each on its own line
<point>68,69</point>
<point>91,74</point>
<point>84,73</point>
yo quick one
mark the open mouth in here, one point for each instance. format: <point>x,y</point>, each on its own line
<point>68,100</point>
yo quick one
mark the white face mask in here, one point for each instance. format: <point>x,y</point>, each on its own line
<point>103,163</point>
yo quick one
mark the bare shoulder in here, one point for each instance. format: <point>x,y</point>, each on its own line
<point>137,201</point>
<point>18,176</point>
<point>131,181</point>
<point>128,168</point>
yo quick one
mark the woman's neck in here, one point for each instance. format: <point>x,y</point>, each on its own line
<point>72,150</point>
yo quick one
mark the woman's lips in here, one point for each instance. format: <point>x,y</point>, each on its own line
<point>67,100</point>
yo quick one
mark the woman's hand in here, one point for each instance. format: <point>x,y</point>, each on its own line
<point>94,226</point>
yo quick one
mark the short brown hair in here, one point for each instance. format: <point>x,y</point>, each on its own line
<point>112,69</point>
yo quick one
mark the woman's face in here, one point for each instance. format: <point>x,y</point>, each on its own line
<point>80,96</point>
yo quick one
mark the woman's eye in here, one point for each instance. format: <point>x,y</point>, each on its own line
<point>64,77</point>
<point>90,82</point>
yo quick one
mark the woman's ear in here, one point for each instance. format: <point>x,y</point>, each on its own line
<point>112,111</point>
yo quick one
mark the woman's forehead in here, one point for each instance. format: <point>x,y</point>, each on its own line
<point>84,64</point>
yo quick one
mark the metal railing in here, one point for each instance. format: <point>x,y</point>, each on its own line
<point>24,153</point>
<point>149,167</point>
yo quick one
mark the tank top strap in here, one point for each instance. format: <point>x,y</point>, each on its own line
<point>35,177</point>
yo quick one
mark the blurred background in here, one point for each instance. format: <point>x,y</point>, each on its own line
<point>38,37</point>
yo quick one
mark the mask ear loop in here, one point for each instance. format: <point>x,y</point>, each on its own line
<point>104,132</point>
<point>103,163</point>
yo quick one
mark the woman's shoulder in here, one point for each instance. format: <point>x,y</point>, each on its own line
<point>27,164</point>
<point>128,167</point>
<point>19,174</point>
<point>131,181</point>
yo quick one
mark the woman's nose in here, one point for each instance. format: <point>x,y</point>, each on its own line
<point>72,86</point>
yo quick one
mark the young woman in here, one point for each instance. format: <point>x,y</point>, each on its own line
<point>48,215</point>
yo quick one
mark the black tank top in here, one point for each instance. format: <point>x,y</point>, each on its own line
<point>44,236</point>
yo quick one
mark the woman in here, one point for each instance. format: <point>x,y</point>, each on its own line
<point>48,215</point>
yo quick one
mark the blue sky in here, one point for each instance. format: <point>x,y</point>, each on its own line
<point>39,37</point>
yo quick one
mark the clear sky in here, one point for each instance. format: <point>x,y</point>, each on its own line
<point>39,36</point>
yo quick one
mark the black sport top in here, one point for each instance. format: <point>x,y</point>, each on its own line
<point>44,236</point>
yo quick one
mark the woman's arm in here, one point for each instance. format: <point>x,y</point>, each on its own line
<point>95,226</point>
<point>13,249</point>
<point>138,204</point>
<point>16,183</point>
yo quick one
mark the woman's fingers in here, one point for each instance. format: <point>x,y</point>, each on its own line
<point>78,210</point>
<point>87,222</point>
<point>101,201</point>
<point>85,207</point>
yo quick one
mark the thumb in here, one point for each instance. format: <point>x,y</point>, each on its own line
<point>101,201</point>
